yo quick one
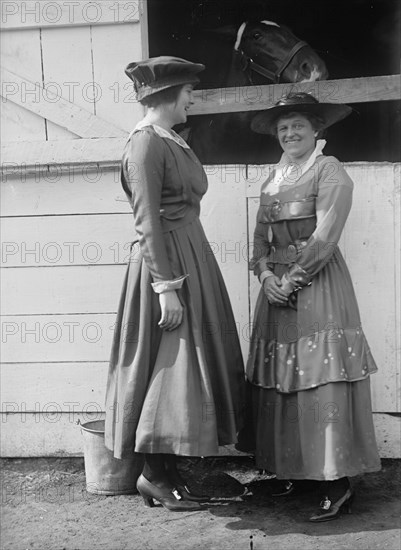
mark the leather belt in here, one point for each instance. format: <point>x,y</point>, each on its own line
<point>285,254</point>
<point>279,211</point>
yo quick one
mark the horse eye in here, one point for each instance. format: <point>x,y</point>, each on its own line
<point>257,35</point>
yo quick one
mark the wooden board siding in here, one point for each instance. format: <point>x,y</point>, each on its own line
<point>354,90</point>
<point>58,320</point>
<point>56,115</point>
<point>370,244</point>
<point>66,226</point>
<point>31,14</point>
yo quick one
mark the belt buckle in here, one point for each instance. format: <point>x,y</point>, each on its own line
<point>277,206</point>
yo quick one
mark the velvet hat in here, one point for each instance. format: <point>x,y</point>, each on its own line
<point>329,113</point>
<point>159,73</point>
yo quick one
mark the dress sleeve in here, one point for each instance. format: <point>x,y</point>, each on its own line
<point>259,263</point>
<point>333,203</point>
<point>143,175</point>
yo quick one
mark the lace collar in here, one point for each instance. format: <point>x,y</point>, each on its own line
<point>287,173</point>
<point>162,132</point>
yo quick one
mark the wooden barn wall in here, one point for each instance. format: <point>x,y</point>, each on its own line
<point>66,235</point>
<point>65,246</point>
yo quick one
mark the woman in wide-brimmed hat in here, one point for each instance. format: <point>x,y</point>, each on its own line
<point>309,363</point>
<point>176,376</point>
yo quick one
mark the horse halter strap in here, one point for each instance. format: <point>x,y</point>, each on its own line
<point>248,63</point>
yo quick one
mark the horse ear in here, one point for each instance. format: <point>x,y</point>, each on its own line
<point>228,32</point>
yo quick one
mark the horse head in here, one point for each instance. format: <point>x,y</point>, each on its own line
<point>266,51</point>
<point>263,53</point>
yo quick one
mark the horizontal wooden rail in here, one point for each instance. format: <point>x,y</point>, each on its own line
<point>255,98</point>
<point>20,157</point>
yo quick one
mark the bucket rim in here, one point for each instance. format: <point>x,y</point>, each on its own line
<point>85,426</point>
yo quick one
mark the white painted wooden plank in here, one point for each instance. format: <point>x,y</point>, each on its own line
<point>53,433</point>
<point>66,240</point>
<point>18,124</point>
<point>73,289</point>
<point>143,21</point>
<point>55,338</point>
<point>73,81</point>
<point>48,433</point>
<point>388,429</point>
<point>254,285</point>
<point>47,101</point>
<point>80,191</point>
<point>224,218</point>
<point>77,79</point>
<point>28,14</point>
<point>397,279</point>
<point>370,251</point>
<point>372,255</point>
<point>70,386</point>
<point>22,53</point>
<point>113,48</point>
<point>73,151</point>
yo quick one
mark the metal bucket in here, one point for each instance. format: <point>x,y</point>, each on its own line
<point>106,475</point>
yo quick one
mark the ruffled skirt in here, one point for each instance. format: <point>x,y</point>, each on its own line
<point>309,368</point>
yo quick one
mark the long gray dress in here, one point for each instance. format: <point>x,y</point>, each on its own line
<point>178,392</point>
<point>309,367</point>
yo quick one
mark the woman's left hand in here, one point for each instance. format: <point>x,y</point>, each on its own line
<point>171,309</point>
<point>273,291</point>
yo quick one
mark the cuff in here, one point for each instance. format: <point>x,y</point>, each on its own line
<point>165,286</point>
<point>264,275</point>
<point>295,279</point>
<point>286,285</point>
<point>259,266</point>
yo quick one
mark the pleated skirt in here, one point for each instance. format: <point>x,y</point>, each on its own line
<point>178,392</point>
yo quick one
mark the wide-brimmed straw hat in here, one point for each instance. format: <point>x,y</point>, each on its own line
<point>159,73</point>
<point>328,113</point>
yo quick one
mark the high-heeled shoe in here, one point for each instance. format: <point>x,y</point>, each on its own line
<point>175,479</point>
<point>170,499</point>
<point>286,489</point>
<point>331,510</point>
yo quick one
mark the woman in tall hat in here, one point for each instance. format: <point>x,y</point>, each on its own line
<point>309,364</point>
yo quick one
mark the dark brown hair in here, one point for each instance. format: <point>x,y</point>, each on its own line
<point>169,95</point>
<point>316,121</point>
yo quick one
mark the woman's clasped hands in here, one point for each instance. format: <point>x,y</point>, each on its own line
<point>276,295</point>
<point>273,291</point>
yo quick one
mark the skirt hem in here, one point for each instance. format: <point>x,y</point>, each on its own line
<point>319,477</point>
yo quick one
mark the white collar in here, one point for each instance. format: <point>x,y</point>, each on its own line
<point>287,173</point>
<point>162,132</point>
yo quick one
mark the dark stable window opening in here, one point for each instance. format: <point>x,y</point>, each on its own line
<point>354,38</point>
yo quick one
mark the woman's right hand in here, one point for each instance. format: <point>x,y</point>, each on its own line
<point>275,295</point>
<point>172,310</point>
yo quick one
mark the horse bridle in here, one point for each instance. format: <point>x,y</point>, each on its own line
<point>247,62</point>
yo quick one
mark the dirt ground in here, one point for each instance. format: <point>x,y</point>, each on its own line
<point>45,506</point>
